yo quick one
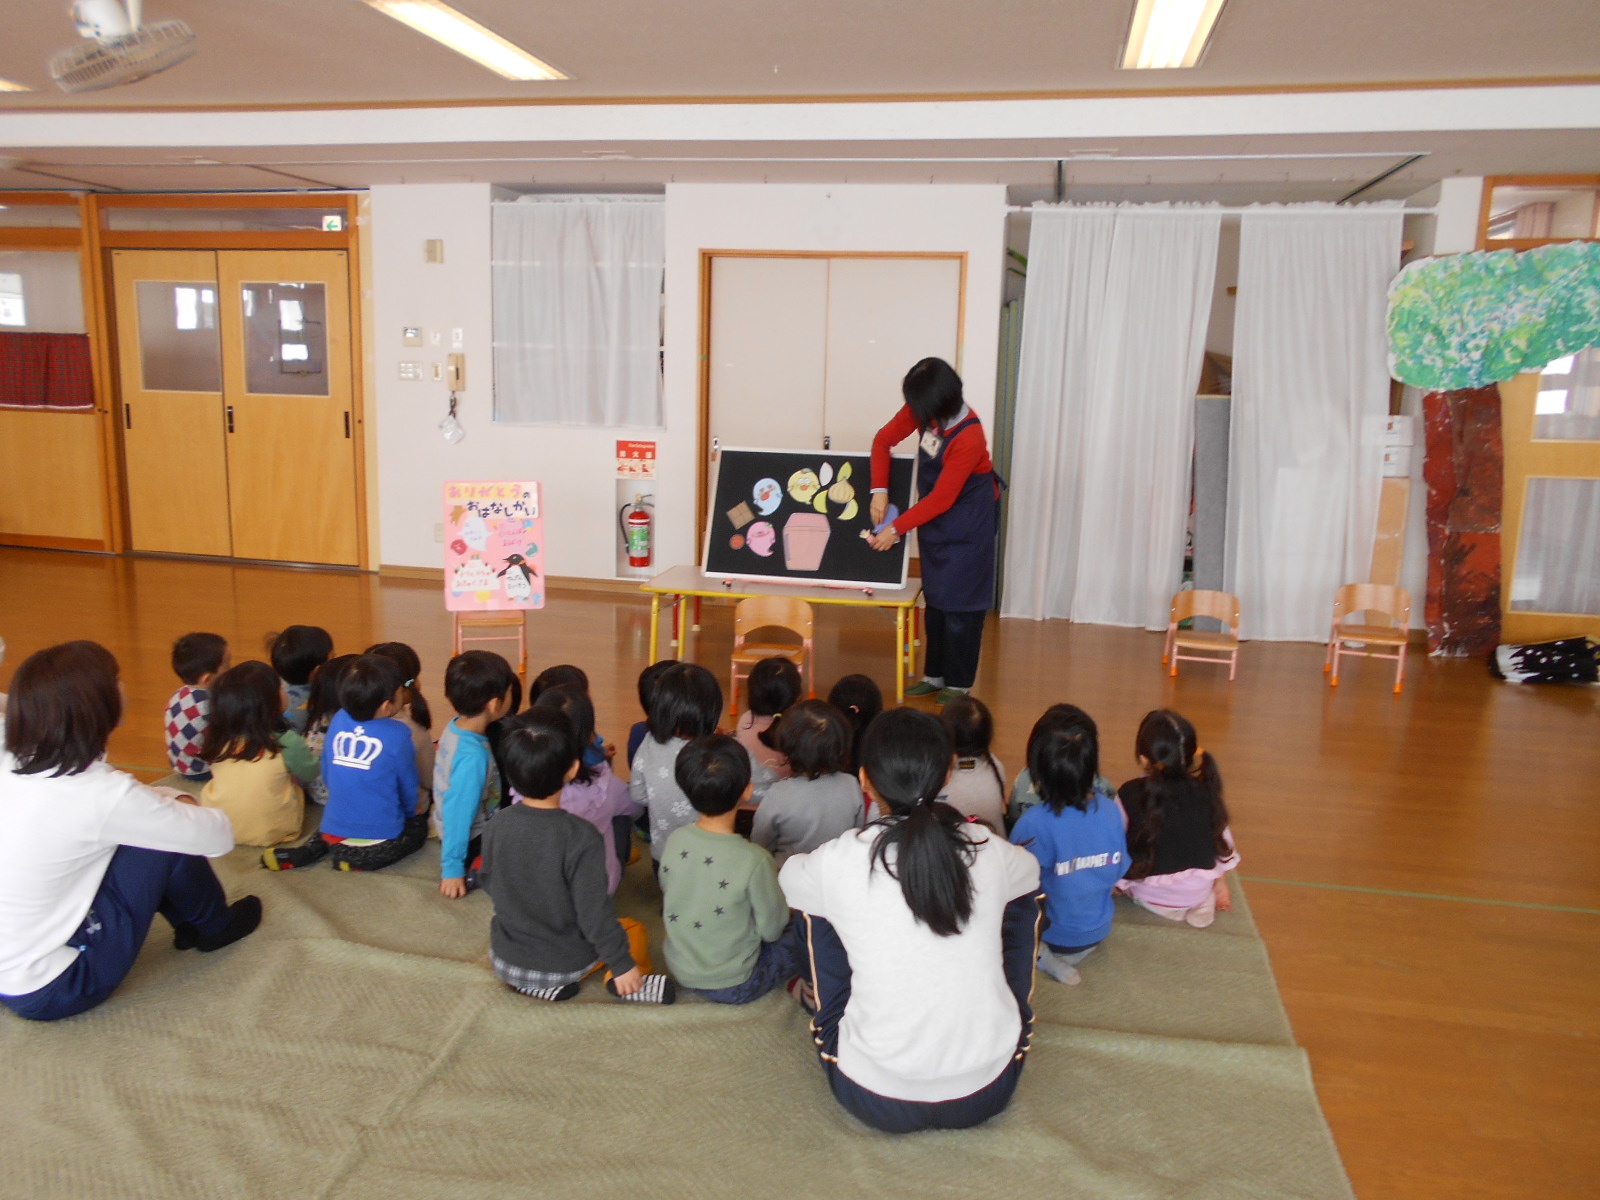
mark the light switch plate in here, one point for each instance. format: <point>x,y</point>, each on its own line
<point>458,339</point>
<point>411,370</point>
<point>411,335</point>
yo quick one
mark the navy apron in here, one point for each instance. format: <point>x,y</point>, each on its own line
<point>958,546</point>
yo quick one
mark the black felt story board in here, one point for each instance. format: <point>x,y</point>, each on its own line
<point>775,500</point>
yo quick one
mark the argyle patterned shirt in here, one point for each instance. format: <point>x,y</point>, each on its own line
<point>188,714</point>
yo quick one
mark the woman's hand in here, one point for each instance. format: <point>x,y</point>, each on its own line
<point>879,508</point>
<point>885,540</point>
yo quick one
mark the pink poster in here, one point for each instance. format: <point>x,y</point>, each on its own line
<point>494,547</point>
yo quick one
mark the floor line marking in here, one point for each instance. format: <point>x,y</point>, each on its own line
<point>1373,891</point>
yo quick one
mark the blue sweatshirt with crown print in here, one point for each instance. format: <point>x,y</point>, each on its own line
<point>370,768</point>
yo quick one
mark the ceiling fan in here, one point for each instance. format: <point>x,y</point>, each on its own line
<point>118,47</point>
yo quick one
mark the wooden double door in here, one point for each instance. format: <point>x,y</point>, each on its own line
<point>238,426</point>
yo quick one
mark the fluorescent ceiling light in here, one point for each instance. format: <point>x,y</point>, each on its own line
<point>465,36</point>
<point>1168,33</point>
<point>7,86</point>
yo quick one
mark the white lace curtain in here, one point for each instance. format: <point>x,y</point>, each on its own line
<point>1310,392</point>
<point>577,310</point>
<point>1113,331</point>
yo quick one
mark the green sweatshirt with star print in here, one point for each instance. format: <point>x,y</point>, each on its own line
<point>720,901</point>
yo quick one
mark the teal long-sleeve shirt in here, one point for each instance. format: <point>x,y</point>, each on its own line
<point>466,787</point>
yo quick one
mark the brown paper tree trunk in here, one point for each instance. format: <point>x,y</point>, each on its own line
<point>1463,468</point>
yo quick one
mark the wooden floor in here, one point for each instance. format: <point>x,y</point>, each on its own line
<point>1425,868</point>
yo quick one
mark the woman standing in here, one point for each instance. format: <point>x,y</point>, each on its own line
<point>958,513</point>
<point>90,853</point>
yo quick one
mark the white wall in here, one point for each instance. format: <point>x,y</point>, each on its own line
<point>576,466</point>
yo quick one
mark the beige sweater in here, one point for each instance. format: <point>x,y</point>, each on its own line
<point>262,799</point>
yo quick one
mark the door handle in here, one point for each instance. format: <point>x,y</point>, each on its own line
<point>347,425</point>
<point>127,416</point>
<point>230,418</point>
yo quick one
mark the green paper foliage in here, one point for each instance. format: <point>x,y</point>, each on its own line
<point>1469,320</point>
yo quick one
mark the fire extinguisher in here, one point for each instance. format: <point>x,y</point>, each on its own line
<point>634,520</point>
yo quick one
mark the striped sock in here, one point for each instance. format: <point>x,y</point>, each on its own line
<point>565,991</point>
<point>656,989</point>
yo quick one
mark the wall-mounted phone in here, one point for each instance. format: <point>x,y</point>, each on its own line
<point>455,372</point>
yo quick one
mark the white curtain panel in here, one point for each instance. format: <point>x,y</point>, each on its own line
<point>1310,393</point>
<point>1113,334</point>
<point>577,310</point>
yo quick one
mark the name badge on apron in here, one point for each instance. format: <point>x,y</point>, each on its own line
<point>932,443</point>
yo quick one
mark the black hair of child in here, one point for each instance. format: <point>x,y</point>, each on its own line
<point>198,654</point>
<point>299,650</point>
<point>647,681</point>
<point>580,711</point>
<point>323,701</point>
<point>564,675</point>
<point>246,714</point>
<point>773,685</point>
<point>906,756</point>
<point>861,699</point>
<point>369,683</point>
<point>1064,757</point>
<point>971,729</point>
<point>687,703</point>
<point>64,704</point>
<point>1180,772</point>
<point>410,667</point>
<point>537,751</point>
<point>713,771</point>
<point>474,679</point>
<point>815,737</point>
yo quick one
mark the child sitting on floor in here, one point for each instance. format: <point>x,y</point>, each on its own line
<point>595,793</point>
<point>414,714</point>
<point>647,689</point>
<point>821,799</point>
<point>297,652</point>
<point>687,704</point>
<point>1178,836</point>
<point>1077,832</point>
<point>861,699</point>
<point>544,869</point>
<point>320,708</point>
<point>977,785</point>
<point>258,764</point>
<point>479,686</point>
<point>371,772</point>
<point>197,659</point>
<point>725,914</point>
<point>596,749</point>
<point>772,687</point>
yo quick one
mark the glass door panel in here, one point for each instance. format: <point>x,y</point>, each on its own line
<point>285,338</point>
<point>180,349</point>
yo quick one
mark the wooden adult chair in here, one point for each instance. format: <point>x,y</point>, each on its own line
<point>757,613</point>
<point>1217,647</point>
<point>1369,600</point>
<point>507,626</point>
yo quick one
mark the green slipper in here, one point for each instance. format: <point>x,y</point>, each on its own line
<point>922,688</point>
<point>948,694</point>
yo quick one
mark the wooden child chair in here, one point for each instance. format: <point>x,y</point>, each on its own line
<point>771,612</point>
<point>1218,647</point>
<point>508,626</point>
<point>1372,600</point>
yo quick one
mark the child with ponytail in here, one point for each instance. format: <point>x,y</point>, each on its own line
<point>1077,832</point>
<point>1178,836</point>
<point>922,928</point>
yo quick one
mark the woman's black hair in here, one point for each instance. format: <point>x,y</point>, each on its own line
<point>324,699</point>
<point>713,771</point>
<point>410,668</point>
<point>647,681</point>
<point>564,675</point>
<point>198,654</point>
<point>772,686</point>
<point>687,703</point>
<point>1064,757</point>
<point>537,751</point>
<point>64,704</point>
<point>369,683</point>
<point>1180,772</point>
<point>474,679</point>
<point>932,391</point>
<point>814,736</point>
<point>299,650</point>
<point>972,732</point>
<point>906,756</point>
<point>246,714</point>
<point>580,711</point>
<point>861,699</point>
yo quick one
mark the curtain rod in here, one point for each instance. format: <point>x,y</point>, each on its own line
<point>1238,211</point>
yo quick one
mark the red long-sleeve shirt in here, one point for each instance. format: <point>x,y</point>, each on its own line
<point>966,453</point>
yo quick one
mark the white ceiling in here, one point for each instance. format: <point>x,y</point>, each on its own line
<point>259,53</point>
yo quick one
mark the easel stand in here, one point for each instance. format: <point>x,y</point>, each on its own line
<point>494,627</point>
